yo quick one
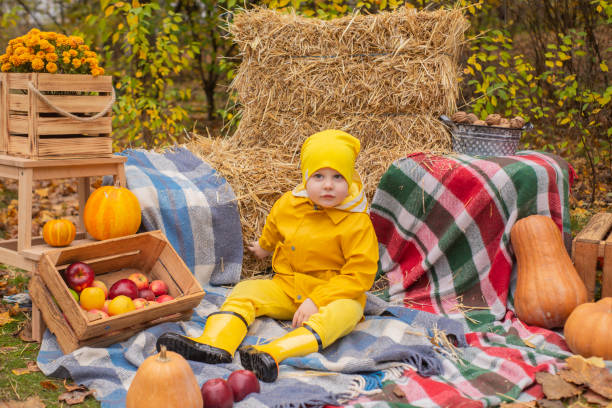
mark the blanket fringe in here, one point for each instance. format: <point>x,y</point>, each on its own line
<point>371,383</point>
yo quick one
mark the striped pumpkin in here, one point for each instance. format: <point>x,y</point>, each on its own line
<point>111,212</point>
<point>59,233</point>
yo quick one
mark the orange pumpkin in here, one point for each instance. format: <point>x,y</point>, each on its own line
<point>59,233</point>
<point>587,329</point>
<point>111,212</point>
<point>548,287</point>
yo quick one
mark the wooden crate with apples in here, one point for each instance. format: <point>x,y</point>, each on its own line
<point>148,253</point>
<point>592,249</point>
<point>56,116</point>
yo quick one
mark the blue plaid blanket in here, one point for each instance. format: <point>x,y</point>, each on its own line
<point>193,206</point>
<point>380,349</point>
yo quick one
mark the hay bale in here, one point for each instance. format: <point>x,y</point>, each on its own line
<point>388,63</point>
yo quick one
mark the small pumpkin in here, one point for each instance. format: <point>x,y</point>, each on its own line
<point>164,380</point>
<point>548,287</point>
<point>587,329</point>
<point>59,232</point>
<point>111,212</point>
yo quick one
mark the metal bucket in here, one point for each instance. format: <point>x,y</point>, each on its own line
<point>478,140</point>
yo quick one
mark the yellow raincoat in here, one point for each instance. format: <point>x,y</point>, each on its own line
<point>323,254</point>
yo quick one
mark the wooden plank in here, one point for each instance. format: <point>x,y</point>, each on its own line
<point>9,172</point>
<point>112,262</point>
<point>597,228</point>
<point>67,126</point>
<point>11,257</point>
<point>18,102</point>
<point>19,80</point>
<point>33,130</point>
<point>52,315</point>
<point>83,192</point>
<point>18,124</point>
<point>76,147</point>
<point>74,82</point>
<point>4,111</point>
<point>56,285</point>
<point>24,215</point>
<point>35,252</point>
<point>39,163</point>
<point>18,145</point>
<point>180,273</point>
<point>74,103</point>
<point>139,316</point>
<point>38,324</point>
<point>80,171</point>
<point>585,261</point>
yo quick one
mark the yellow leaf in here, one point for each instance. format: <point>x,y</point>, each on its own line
<point>558,63</point>
<point>42,192</point>
<point>550,64</point>
<point>603,66</point>
<point>563,56</point>
<point>5,318</point>
<point>135,3</point>
<point>109,10</point>
<point>115,37</point>
<point>564,121</point>
<point>468,70</point>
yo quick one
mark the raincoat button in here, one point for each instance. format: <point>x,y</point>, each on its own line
<point>299,297</point>
<point>292,248</point>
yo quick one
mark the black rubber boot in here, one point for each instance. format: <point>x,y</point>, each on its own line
<point>192,350</point>
<point>261,363</point>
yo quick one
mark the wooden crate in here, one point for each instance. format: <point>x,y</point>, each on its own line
<point>30,127</point>
<point>150,252</point>
<point>591,244</point>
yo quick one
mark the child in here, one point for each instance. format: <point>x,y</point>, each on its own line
<point>325,256</point>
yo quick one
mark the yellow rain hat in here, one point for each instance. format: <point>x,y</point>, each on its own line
<point>330,148</point>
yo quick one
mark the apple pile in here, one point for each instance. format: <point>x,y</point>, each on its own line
<point>219,393</point>
<point>127,294</point>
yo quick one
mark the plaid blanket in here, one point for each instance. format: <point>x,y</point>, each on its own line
<point>380,349</point>
<point>443,224</point>
<point>193,206</point>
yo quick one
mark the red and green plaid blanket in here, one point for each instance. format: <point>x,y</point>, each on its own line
<point>443,223</point>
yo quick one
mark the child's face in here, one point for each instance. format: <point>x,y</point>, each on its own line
<point>326,187</point>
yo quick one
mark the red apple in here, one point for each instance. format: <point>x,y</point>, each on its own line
<point>146,294</point>
<point>242,383</point>
<point>123,287</point>
<point>163,298</point>
<point>101,285</point>
<point>140,280</point>
<point>158,287</point>
<point>139,303</point>
<point>216,393</point>
<point>79,275</point>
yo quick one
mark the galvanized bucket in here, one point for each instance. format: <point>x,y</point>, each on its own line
<point>478,140</point>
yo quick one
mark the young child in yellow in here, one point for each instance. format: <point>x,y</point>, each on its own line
<point>325,257</point>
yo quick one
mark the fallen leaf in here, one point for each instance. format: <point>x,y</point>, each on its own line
<point>32,402</point>
<point>5,318</point>
<point>25,334</point>
<point>594,398</point>
<point>48,385</point>
<point>550,404</point>
<point>42,192</point>
<point>7,349</point>
<point>74,397</point>
<point>555,387</point>
<point>74,387</point>
<point>596,378</point>
<point>30,368</point>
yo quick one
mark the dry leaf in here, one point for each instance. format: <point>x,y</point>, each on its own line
<point>74,397</point>
<point>30,368</point>
<point>594,398</point>
<point>5,318</point>
<point>48,385</point>
<point>555,387</point>
<point>42,192</point>
<point>572,376</point>
<point>596,378</point>
<point>550,404</point>
<point>32,402</point>
<point>75,387</point>
<point>602,383</point>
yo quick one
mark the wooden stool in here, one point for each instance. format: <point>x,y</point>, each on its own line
<point>25,251</point>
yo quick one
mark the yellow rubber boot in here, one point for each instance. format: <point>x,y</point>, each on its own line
<point>263,359</point>
<point>223,333</point>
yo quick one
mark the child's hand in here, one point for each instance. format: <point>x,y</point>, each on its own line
<point>306,309</point>
<point>257,250</point>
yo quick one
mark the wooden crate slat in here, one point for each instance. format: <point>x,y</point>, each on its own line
<point>18,145</point>
<point>597,228</point>
<point>4,101</point>
<point>68,126</point>
<point>73,103</point>
<point>18,80</point>
<point>76,83</point>
<point>75,147</point>
<point>18,124</point>
<point>17,102</point>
